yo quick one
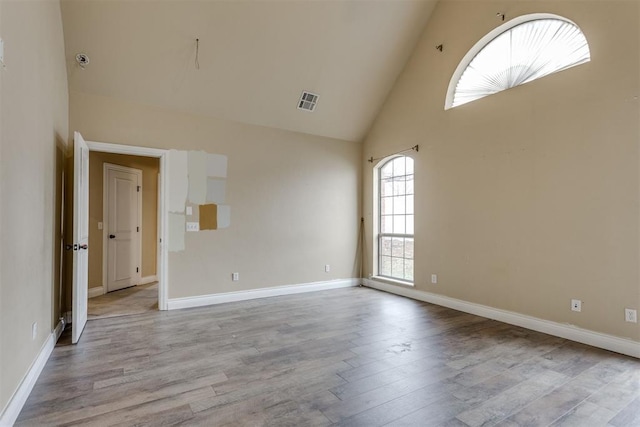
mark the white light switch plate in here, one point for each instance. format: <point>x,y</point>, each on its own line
<point>189,210</point>
<point>193,226</point>
<point>576,305</point>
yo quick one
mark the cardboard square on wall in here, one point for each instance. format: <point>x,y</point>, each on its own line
<point>208,217</point>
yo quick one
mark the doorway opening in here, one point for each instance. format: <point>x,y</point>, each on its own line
<point>144,289</point>
<point>123,234</point>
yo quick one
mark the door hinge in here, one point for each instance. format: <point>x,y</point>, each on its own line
<point>138,229</point>
<point>138,188</point>
<point>137,269</point>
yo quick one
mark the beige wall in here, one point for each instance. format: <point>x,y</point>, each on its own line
<point>528,198</point>
<point>150,168</point>
<point>294,198</point>
<point>33,135</point>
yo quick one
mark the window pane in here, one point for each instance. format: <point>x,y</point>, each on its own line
<point>399,205</point>
<point>386,224</point>
<point>386,206</point>
<point>399,187</point>
<point>397,268</point>
<point>387,171</point>
<point>385,266</point>
<point>385,246</point>
<point>386,187</point>
<point>399,166</point>
<point>398,224</point>
<point>395,253</point>
<point>409,224</point>
<point>409,166</point>
<point>521,54</point>
<point>408,248</point>
<point>409,185</point>
<point>408,270</point>
<point>397,250</point>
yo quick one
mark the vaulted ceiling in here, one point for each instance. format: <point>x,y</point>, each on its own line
<point>255,57</point>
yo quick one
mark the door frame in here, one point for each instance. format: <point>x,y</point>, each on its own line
<point>162,265</point>
<point>105,221</point>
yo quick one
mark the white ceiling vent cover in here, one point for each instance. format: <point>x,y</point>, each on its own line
<point>307,101</point>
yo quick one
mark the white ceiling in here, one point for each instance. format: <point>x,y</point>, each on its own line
<point>256,57</point>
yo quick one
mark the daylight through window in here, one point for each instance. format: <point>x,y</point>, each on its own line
<point>519,54</point>
<point>395,202</point>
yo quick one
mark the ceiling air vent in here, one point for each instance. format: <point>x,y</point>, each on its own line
<point>307,101</point>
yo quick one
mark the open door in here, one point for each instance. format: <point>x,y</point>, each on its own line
<point>80,235</point>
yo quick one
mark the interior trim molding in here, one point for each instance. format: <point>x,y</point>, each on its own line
<point>570,332</point>
<point>211,299</point>
<point>95,291</point>
<point>17,401</point>
<point>148,279</point>
<point>163,254</point>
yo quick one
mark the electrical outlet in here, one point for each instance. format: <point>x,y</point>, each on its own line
<point>327,268</point>
<point>576,305</point>
<point>189,210</point>
<point>434,278</point>
<point>34,330</point>
<point>630,315</point>
<point>235,276</point>
<point>193,226</point>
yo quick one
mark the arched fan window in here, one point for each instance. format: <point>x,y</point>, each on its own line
<point>518,52</point>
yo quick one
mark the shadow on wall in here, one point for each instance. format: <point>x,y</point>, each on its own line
<point>57,267</point>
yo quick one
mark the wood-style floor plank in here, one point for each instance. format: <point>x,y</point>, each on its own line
<point>348,357</point>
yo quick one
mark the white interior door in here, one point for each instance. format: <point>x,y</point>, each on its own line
<point>80,235</point>
<point>123,226</point>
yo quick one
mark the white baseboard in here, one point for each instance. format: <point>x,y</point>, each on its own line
<point>148,279</point>
<point>199,301</point>
<point>95,292</point>
<point>570,332</point>
<point>58,330</point>
<point>17,401</point>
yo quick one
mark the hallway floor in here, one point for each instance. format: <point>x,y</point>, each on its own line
<point>134,300</point>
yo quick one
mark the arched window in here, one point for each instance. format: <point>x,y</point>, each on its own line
<point>520,51</point>
<point>395,220</point>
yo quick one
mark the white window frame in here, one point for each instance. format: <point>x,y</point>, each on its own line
<point>377,221</point>
<point>484,41</point>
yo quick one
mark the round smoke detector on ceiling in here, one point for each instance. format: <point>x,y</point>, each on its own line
<point>82,59</point>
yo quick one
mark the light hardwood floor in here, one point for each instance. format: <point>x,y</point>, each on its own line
<point>134,300</point>
<point>352,357</point>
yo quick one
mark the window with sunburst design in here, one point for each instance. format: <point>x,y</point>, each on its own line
<point>524,49</point>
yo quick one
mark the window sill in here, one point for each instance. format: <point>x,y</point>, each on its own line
<point>392,281</point>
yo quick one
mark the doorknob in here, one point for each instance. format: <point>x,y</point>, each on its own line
<point>84,246</point>
<point>112,236</point>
